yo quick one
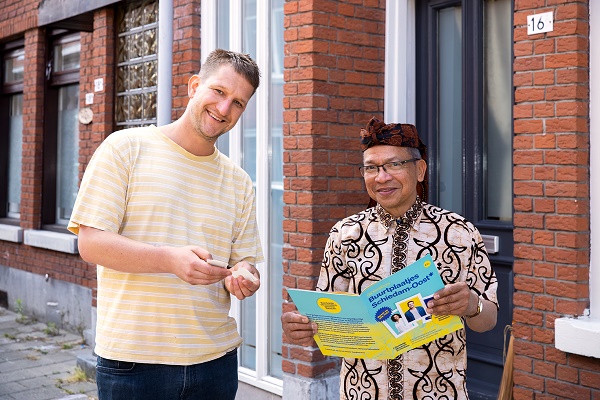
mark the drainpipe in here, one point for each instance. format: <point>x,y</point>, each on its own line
<point>164,85</point>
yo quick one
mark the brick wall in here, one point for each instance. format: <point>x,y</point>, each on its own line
<point>19,20</point>
<point>334,52</point>
<point>186,50</point>
<point>17,17</point>
<point>97,61</point>
<point>551,188</point>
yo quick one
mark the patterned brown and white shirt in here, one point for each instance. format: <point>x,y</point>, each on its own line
<point>369,246</point>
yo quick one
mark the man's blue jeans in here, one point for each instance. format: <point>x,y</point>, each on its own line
<point>216,379</point>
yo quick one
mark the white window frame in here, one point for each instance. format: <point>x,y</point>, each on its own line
<point>574,335</point>
<point>259,377</point>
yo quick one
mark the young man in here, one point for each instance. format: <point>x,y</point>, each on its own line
<point>154,207</point>
<point>399,229</point>
<point>414,313</point>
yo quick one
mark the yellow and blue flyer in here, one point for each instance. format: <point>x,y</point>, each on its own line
<point>385,320</point>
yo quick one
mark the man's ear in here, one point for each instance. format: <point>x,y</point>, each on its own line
<point>193,84</point>
<point>421,170</point>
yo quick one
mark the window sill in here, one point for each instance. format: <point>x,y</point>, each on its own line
<point>577,335</point>
<point>63,242</point>
<point>11,233</point>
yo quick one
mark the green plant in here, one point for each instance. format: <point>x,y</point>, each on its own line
<point>51,329</point>
<point>22,318</point>
<point>19,306</point>
<point>77,376</point>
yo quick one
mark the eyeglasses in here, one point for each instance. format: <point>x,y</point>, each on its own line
<point>391,168</point>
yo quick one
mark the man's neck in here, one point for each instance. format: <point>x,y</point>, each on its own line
<point>185,137</point>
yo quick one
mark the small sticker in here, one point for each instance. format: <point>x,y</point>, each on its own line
<point>98,85</point>
<point>383,313</point>
<point>328,305</point>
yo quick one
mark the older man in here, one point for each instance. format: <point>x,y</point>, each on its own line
<point>399,229</point>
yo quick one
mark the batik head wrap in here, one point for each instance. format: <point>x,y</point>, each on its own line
<point>401,135</point>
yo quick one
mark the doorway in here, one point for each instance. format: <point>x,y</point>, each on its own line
<point>464,111</point>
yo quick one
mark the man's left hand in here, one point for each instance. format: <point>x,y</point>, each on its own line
<point>453,299</point>
<point>241,287</point>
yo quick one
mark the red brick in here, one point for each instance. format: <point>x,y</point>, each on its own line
<point>522,235</point>
<point>543,368</point>
<point>565,289</point>
<point>522,79</point>
<point>567,391</point>
<point>544,173</point>
<point>572,75</point>
<point>590,379</point>
<point>528,63</point>
<point>543,303</point>
<point>528,317</point>
<point>571,108</point>
<point>529,284</point>
<point>566,92</point>
<point>528,380</point>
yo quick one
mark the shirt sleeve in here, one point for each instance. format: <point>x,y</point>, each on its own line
<point>481,277</point>
<point>101,199</point>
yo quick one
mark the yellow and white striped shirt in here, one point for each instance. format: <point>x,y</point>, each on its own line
<point>144,186</point>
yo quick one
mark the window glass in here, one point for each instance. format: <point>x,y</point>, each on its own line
<point>223,43</point>
<point>498,109</point>
<point>258,315</point>
<point>137,64</point>
<point>66,56</point>
<point>223,24</point>
<point>450,109</point>
<point>14,65</point>
<point>68,152</point>
<point>248,321</point>
<point>15,148</point>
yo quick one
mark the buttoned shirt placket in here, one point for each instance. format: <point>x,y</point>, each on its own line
<point>399,253</point>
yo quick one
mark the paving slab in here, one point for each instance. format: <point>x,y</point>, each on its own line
<point>39,362</point>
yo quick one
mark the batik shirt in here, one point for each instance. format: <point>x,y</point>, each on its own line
<point>367,247</point>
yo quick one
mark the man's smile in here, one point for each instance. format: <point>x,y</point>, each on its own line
<point>213,116</point>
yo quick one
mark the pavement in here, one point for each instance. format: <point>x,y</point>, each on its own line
<point>40,362</point>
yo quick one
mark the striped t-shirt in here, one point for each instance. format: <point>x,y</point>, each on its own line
<point>144,186</point>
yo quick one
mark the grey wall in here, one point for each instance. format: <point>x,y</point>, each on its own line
<point>67,305</point>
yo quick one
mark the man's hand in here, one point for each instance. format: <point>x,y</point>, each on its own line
<point>117,252</point>
<point>189,264</point>
<point>458,299</point>
<point>454,299</point>
<point>298,328</point>
<point>241,287</point>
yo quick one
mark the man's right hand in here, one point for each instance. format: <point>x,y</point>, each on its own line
<point>298,328</point>
<point>189,264</point>
<point>117,252</point>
